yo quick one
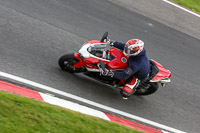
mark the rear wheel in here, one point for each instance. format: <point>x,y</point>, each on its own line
<point>146,89</point>
<point>67,61</point>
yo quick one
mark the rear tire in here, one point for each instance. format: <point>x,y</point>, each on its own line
<point>67,61</point>
<point>152,88</point>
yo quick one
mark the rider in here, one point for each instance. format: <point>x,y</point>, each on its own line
<point>138,66</point>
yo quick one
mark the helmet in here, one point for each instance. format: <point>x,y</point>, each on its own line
<point>133,47</point>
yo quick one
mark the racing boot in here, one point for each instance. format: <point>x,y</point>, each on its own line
<point>129,88</point>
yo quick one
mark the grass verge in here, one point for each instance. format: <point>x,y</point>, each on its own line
<point>193,5</point>
<point>19,114</point>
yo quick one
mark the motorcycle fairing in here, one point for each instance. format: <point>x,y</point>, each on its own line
<point>94,50</point>
<point>80,63</point>
<point>162,74</point>
<point>89,63</point>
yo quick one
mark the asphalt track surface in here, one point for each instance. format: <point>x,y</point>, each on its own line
<point>35,33</point>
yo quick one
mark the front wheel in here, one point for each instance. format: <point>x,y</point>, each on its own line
<point>146,89</point>
<point>67,61</point>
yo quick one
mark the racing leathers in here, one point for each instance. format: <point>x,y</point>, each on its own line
<point>138,69</point>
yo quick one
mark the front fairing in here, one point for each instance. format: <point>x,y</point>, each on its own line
<point>93,51</point>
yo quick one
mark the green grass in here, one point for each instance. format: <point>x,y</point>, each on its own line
<point>193,5</point>
<point>19,114</point>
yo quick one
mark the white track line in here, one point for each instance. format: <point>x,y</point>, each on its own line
<point>50,89</point>
<point>171,3</point>
<point>73,106</point>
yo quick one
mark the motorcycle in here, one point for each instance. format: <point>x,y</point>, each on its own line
<point>97,55</point>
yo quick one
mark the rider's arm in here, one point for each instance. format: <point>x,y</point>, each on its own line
<point>125,74</point>
<point>119,45</point>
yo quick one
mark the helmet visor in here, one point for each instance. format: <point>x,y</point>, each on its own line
<point>129,51</point>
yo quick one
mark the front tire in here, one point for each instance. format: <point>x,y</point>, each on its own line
<point>67,61</point>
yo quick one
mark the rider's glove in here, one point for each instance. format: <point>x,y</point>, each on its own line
<point>106,72</point>
<point>110,73</point>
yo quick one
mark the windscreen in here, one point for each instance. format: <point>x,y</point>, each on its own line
<point>97,49</point>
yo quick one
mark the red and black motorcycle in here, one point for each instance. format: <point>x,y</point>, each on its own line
<point>95,55</point>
